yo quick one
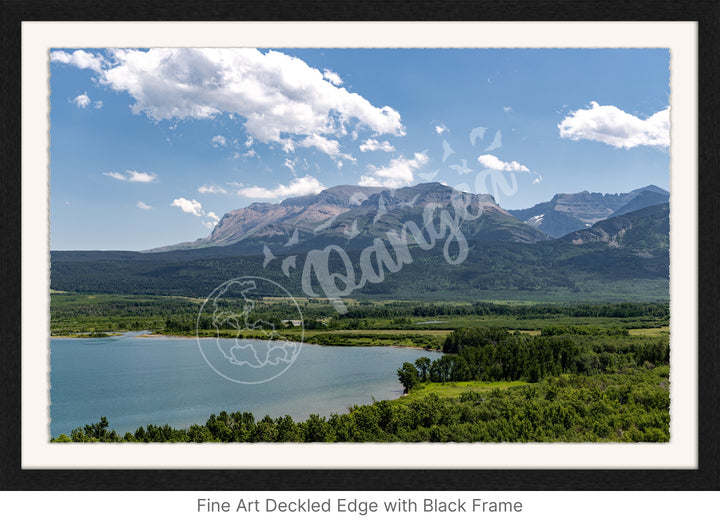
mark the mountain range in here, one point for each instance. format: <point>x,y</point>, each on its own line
<point>350,215</point>
<point>566,213</point>
<point>621,257</point>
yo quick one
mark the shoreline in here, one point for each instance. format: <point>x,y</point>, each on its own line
<point>171,336</point>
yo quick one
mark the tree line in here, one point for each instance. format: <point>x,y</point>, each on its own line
<point>630,406</point>
<point>493,354</point>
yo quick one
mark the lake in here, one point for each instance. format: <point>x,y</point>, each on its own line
<point>135,381</point>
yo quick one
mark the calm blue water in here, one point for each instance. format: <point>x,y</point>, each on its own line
<point>138,381</point>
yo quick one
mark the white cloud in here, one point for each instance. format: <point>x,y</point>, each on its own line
<point>80,59</point>
<point>612,126</point>
<point>98,105</point>
<point>190,206</point>
<point>82,100</point>
<point>211,189</point>
<point>278,95</point>
<point>332,77</point>
<point>370,145</point>
<point>195,208</point>
<point>133,177</point>
<point>441,128</point>
<point>287,144</point>
<point>219,140</point>
<point>398,174</point>
<point>115,175</point>
<point>493,163</point>
<point>538,179</point>
<point>325,145</point>
<point>289,163</point>
<point>141,177</point>
<point>507,109</point>
<point>144,206</point>
<point>297,187</point>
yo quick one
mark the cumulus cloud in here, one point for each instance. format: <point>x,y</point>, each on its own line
<point>441,128</point>
<point>80,59</point>
<point>190,206</point>
<point>144,206</point>
<point>213,220</point>
<point>194,207</point>
<point>370,145</point>
<point>219,140</point>
<point>493,163</point>
<point>507,109</point>
<point>82,100</point>
<point>325,145</point>
<point>398,174</point>
<point>211,189</point>
<point>141,177</point>
<point>132,176</point>
<point>612,126</point>
<point>332,77</point>
<point>302,186</point>
<point>280,97</point>
<point>98,105</point>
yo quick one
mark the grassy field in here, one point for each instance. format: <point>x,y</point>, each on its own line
<point>430,340</point>
<point>664,330</point>
<point>376,323</point>
<point>455,389</point>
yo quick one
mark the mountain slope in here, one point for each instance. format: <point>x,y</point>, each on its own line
<point>566,213</point>
<point>642,230</point>
<point>623,258</point>
<point>352,216</point>
<point>395,210</point>
<point>270,219</point>
<point>646,198</point>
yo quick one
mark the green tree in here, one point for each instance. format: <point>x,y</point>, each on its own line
<point>423,365</point>
<point>317,430</point>
<point>408,376</point>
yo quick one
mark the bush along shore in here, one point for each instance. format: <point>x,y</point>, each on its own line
<point>564,385</point>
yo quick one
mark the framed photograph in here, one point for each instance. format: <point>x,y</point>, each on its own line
<point>291,247</point>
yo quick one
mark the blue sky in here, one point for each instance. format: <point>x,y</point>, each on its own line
<point>149,147</point>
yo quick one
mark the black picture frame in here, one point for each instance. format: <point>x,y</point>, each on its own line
<point>705,477</point>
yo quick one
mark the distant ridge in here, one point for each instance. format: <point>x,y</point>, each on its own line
<point>566,213</point>
<point>266,219</point>
<point>641,229</point>
<point>618,259</point>
<point>349,215</point>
